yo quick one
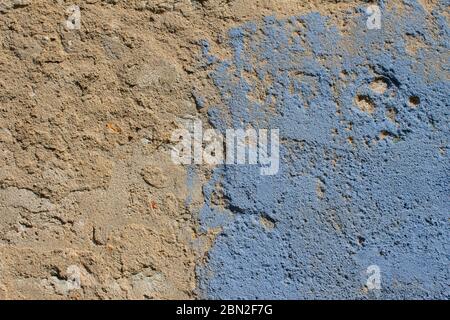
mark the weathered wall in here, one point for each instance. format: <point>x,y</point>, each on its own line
<point>87,186</point>
<point>88,189</point>
<point>363,119</point>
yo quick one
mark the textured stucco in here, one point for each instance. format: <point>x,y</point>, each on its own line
<point>92,205</point>
<point>363,119</point>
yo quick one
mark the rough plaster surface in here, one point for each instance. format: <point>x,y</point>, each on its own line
<point>364,164</point>
<point>88,190</point>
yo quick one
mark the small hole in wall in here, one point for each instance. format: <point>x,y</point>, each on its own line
<point>379,85</point>
<point>365,104</point>
<point>414,101</point>
<point>361,240</point>
<point>267,222</point>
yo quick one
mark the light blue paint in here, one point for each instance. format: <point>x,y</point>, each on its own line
<point>385,201</point>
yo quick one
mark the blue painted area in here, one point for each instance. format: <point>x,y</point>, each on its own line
<point>357,186</point>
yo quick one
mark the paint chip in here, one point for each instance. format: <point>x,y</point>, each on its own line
<point>365,104</point>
